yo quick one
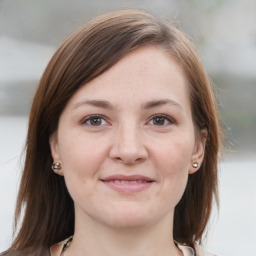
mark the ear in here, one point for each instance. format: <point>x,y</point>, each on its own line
<point>199,150</point>
<point>54,146</point>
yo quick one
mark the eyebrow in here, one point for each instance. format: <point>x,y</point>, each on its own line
<point>95,103</point>
<point>157,103</point>
<point>107,105</point>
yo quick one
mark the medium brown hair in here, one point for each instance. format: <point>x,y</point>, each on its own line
<point>90,51</point>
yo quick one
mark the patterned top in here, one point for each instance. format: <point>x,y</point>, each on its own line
<point>57,249</point>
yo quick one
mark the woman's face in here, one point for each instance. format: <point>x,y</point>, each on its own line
<point>126,142</point>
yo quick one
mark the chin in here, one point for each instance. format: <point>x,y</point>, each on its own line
<point>129,223</point>
<point>131,218</point>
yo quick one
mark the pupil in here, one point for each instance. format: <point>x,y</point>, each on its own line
<point>96,121</point>
<point>159,121</point>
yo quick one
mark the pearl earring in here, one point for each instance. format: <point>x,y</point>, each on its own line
<point>56,166</point>
<point>195,164</point>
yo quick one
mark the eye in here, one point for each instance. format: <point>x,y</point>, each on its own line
<point>161,120</point>
<point>94,120</point>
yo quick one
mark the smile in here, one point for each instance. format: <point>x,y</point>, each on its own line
<point>128,184</point>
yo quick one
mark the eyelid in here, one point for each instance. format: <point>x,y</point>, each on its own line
<point>166,117</point>
<point>89,117</point>
<point>92,116</point>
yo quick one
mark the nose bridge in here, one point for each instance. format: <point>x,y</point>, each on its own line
<point>128,143</point>
<point>128,137</point>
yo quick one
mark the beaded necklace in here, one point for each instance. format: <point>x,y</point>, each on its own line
<point>69,240</point>
<point>66,245</point>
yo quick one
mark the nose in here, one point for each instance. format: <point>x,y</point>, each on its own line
<point>128,146</point>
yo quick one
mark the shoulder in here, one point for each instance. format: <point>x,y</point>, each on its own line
<point>11,253</point>
<point>56,249</point>
<point>199,251</point>
<point>26,252</point>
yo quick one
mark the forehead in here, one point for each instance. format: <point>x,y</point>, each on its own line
<point>148,72</point>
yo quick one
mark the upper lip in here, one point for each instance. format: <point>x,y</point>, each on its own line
<point>127,178</point>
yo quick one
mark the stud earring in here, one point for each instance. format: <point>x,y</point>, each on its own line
<point>56,166</point>
<point>195,164</point>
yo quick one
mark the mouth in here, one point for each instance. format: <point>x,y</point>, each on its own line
<point>128,184</point>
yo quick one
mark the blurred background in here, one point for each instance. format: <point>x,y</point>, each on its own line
<point>224,31</point>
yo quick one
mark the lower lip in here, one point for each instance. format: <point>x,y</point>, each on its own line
<point>128,187</point>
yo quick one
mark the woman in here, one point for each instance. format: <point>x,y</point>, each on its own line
<point>122,146</point>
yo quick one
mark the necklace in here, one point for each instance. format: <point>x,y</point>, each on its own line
<point>68,242</point>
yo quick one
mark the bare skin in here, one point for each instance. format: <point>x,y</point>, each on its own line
<point>127,142</point>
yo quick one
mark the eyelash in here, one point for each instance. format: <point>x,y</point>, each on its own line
<point>163,117</point>
<point>91,117</point>
<point>154,117</point>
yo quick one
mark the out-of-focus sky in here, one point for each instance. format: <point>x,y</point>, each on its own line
<point>223,30</point>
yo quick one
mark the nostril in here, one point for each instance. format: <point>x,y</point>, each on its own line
<point>128,148</point>
<point>133,160</point>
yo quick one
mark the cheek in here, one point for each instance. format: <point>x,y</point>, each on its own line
<point>81,156</point>
<point>174,155</point>
<point>173,161</point>
<point>81,164</point>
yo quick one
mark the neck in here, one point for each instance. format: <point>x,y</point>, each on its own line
<point>93,238</point>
